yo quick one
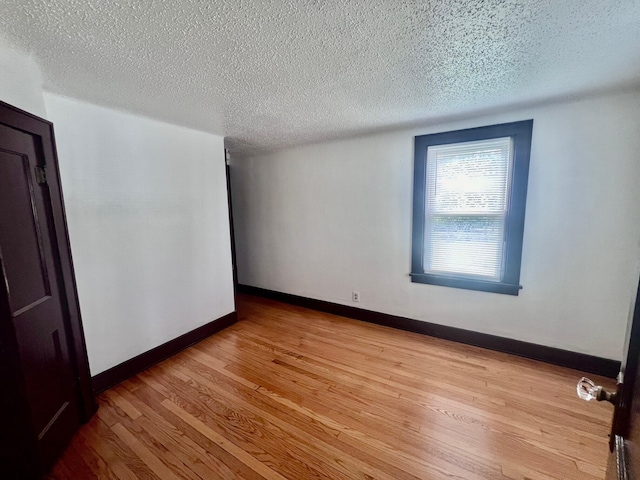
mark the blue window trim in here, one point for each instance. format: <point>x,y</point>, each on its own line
<point>509,283</point>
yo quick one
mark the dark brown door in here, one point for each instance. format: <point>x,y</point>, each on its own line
<point>624,457</point>
<point>37,307</point>
<point>231,229</point>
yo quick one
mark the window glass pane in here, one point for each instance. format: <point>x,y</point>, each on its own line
<point>465,244</point>
<point>468,177</point>
<point>467,192</point>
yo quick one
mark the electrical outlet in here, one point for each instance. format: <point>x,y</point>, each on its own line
<point>355,296</point>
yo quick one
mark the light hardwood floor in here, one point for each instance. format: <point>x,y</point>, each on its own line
<point>297,394</point>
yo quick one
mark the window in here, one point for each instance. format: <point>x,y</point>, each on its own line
<point>469,195</point>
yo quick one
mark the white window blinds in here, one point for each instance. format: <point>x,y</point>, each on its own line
<point>466,206</point>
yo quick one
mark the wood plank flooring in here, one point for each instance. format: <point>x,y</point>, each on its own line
<point>290,393</point>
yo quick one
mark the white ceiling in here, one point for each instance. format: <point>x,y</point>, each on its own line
<point>274,73</point>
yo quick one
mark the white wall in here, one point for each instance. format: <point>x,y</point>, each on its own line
<point>146,203</point>
<point>323,220</point>
<point>20,81</point>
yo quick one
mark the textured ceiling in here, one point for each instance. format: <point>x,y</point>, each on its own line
<point>269,74</point>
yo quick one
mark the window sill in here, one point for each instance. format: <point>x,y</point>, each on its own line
<point>466,283</point>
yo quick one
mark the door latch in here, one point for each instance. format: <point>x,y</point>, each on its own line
<point>41,175</point>
<point>587,390</point>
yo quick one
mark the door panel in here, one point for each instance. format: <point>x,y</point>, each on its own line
<point>32,274</point>
<point>23,256</point>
